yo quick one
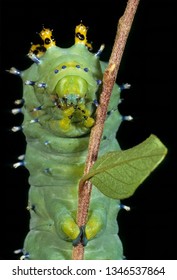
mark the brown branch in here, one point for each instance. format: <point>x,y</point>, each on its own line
<point>109,77</point>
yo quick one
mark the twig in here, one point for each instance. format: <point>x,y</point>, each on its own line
<point>109,77</point>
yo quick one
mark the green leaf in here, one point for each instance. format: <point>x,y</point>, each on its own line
<point>118,174</point>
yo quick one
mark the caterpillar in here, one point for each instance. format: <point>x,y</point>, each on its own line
<point>61,92</point>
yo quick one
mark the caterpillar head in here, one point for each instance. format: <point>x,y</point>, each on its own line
<point>64,83</point>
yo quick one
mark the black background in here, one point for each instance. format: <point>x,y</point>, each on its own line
<point>148,231</point>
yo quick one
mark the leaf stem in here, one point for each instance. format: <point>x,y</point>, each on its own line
<point>109,78</point>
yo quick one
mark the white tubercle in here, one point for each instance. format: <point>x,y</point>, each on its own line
<point>15,111</point>
<point>16,128</point>
<point>17,164</point>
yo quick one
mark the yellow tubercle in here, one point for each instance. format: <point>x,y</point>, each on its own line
<point>38,50</point>
<point>81,36</point>
<point>47,37</point>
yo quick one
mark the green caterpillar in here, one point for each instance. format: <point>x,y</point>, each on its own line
<point>61,93</point>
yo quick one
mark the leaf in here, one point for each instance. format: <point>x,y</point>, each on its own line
<point>118,174</point>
